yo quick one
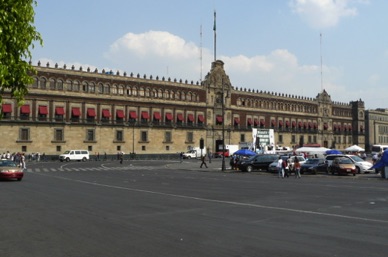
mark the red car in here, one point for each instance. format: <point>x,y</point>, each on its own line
<point>219,154</point>
<point>9,170</point>
<point>343,166</point>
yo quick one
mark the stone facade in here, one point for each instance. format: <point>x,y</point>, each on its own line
<point>376,127</point>
<point>106,112</point>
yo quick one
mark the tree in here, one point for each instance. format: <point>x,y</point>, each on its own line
<point>17,37</point>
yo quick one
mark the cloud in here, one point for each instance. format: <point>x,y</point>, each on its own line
<point>324,13</point>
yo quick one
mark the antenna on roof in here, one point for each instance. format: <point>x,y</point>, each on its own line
<point>215,36</point>
<point>200,57</point>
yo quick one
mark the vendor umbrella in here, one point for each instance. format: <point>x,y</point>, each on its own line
<point>333,151</point>
<point>245,152</point>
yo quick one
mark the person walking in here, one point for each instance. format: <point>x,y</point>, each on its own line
<point>297,168</point>
<point>285,169</point>
<point>181,157</point>
<point>280,168</point>
<point>121,157</point>
<point>203,161</point>
<point>23,161</point>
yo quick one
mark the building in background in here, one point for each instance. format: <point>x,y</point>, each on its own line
<point>376,128</point>
<point>107,112</point>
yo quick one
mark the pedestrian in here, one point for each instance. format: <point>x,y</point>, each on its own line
<point>121,157</point>
<point>181,157</point>
<point>203,161</point>
<point>285,168</point>
<point>210,156</point>
<point>22,161</point>
<point>297,168</point>
<point>280,168</point>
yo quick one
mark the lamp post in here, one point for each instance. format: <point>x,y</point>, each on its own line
<point>223,126</point>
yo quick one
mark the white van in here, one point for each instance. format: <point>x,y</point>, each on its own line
<point>74,155</point>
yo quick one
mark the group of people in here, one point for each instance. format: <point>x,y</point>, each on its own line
<point>18,158</point>
<point>284,168</point>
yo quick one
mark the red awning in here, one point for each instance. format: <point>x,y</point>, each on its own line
<point>6,108</point>
<point>335,126</point>
<point>255,122</point>
<point>75,112</point>
<point>309,124</point>
<point>300,124</point>
<point>120,114</point>
<point>25,109</point>
<point>325,126</point>
<point>350,127</point>
<point>315,125</point>
<point>144,115</point>
<point>91,112</point>
<point>59,110</point>
<point>236,120</point>
<point>305,124</point>
<point>43,110</point>
<point>157,115</point>
<point>179,116</point>
<point>287,123</point>
<point>190,117</point>
<point>249,121</point>
<point>293,123</point>
<point>105,113</point>
<point>262,122</point>
<point>132,115</point>
<point>219,119</point>
<point>280,123</point>
<point>169,116</point>
<point>273,123</point>
<point>201,118</point>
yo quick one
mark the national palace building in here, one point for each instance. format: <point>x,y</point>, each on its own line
<point>106,112</point>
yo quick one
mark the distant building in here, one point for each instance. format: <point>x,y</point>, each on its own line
<point>376,127</point>
<point>110,112</point>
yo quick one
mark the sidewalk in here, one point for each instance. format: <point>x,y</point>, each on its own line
<point>193,164</point>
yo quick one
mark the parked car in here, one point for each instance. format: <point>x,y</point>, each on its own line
<point>273,167</point>
<point>258,162</point>
<point>9,170</point>
<point>220,153</point>
<point>314,166</point>
<point>343,165</point>
<point>361,165</point>
<point>291,162</point>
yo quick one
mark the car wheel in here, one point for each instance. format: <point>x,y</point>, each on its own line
<point>358,170</point>
<point>354,174</point>
<point>188,157</point>
<point>67,159</point>
<point>19,179</point>
<point>84,159</point>
<point>249,168</point>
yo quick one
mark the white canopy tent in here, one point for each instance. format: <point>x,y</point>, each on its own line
<point>312,150</point>
<point>354,148</point>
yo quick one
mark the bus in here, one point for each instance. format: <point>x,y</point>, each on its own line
<point>376,149</point>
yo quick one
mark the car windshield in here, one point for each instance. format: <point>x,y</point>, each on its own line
<point>345,161</point>
<point>356,158</point>
<point>7,164</point>
<point>312,161</point>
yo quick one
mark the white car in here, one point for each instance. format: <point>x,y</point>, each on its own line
<point>361,165</point>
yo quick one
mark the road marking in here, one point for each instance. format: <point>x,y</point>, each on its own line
<point>259,206</point>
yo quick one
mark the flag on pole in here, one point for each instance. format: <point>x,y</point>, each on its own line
<point>214,26</point>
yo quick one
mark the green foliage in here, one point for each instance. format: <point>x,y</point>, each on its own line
<point>17,35</point>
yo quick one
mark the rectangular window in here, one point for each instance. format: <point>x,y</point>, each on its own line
<point>190,137</point>
<point>119,135</point>
<point>59,113</point>
<point>42,113</point>
<point>293,139</point>
<point>242,137</point>
<point>315,139</point>
<point>58,134</point>
<point>167,136</point>
<point>309,139</point>
<point>144,136</point>
<point>59,148</point>
<point>280,139</point>
<point>24,134</point>
<point>90,135</point>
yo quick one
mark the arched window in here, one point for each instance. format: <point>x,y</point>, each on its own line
<point>134,91</point>
<point>42,83</point>
<point>75,86</point>
<point>35,84</point>
<point>166,94</point>
<point>160,93</point>
<point>121,89</point>
<point>147,92</point>
<point>107,89</point>
<point>100,88</point>
<point>92,88</point>
<point>114,89</point>
<point>52,84</point>
<point>60,84</point>
<point>129,91</point>
<point>189,96</point>
<point>141,92</point>
<point>85,86</point>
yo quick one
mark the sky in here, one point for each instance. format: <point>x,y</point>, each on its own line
<point>297,47</point>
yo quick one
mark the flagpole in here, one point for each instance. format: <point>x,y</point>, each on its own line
<point>215,36</point>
